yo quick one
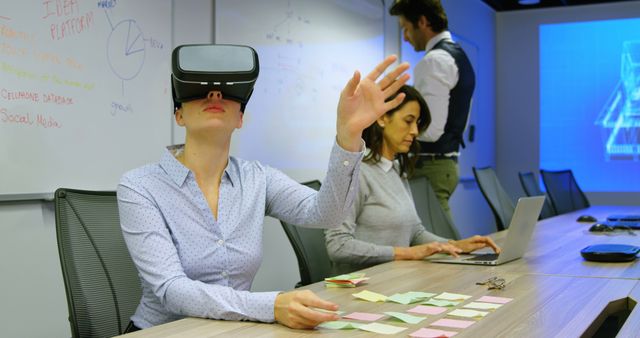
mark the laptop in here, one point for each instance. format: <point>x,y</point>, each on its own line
<point>519,235</point>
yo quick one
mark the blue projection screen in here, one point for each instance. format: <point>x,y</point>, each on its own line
<point>590,102</point>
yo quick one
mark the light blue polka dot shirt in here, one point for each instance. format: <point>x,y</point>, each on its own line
<point>191,264</point>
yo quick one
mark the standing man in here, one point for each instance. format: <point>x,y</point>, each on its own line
<point>446,80</point>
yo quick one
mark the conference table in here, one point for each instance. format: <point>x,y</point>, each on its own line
<point>555,291</point>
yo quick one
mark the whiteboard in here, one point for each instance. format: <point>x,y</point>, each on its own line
<point>308,50</point>
<point>84,92</point>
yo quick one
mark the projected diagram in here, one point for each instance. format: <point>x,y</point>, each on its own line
<point>620,117</point>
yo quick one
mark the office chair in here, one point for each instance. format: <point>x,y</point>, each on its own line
<point>433,217</point>
<point>531,188</point>
<point>100,279</point>
<point>308,244</point>
<point>498,199</point>
<point>563,190</point>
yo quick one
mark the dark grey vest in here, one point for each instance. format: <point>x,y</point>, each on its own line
<point>459,102</point>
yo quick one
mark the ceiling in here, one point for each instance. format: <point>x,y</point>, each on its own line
<point>511,5</point>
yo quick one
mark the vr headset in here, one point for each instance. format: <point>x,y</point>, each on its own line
<point>199,69</point>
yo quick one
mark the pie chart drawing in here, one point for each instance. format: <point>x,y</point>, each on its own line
<point>126,49</point>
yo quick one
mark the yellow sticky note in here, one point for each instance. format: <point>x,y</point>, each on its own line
<point>467,313</point>
<point>440,302</point>
<point>482,306</point>
<point>370,296</point>
<point>452,296</point>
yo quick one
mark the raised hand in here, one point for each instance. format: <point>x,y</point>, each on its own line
<point>362,101</point>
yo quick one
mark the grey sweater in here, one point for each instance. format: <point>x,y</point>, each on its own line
<point>383,216</point>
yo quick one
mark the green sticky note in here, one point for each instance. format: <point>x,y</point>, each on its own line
<point>382,328</point>
<point>440,302</point>
<point>401,298</point>
<point>340,325</point>
<point>420,294</point>
<point>370,296</point>
<point>407,318</point>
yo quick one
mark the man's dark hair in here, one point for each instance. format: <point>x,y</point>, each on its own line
<point>412,10</point>
<point>373,138</point>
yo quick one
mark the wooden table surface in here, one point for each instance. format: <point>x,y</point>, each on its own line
<point>555,292</point>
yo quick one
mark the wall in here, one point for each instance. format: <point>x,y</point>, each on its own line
<point>518,103</point>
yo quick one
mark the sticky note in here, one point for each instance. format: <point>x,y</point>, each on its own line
<point>432,333</point>
<point>345,281</point>
<point>427,310</point>
<point>452,296</point>
<point>467,313</point>
<point>482,306</point>
<point>420,294</point>
<point>339,313</point>
<point>460,324</point>
<point>340,325</point>
<point>439,302</point>
<point>407,318</point>
<point>369,317</point>
<point>370,296</point>
<point>382,328</point>
<point>497,300</point>
<point>347,276</point>
<point>401,298</point>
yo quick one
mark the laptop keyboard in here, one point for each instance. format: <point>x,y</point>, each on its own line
<point>483,257</point>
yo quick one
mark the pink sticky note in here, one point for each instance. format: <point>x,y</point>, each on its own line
<point>432,333</point>
<point>428,310</point>
<point>364,316</point>
<point>495,300</point>
<point>460,324</point>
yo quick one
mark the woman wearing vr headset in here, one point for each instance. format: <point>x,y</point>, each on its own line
<point>193,221</point>
<point>383,224</point>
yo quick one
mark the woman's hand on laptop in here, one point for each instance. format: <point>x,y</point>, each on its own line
<point>474,243</point>
<point>424,250</point>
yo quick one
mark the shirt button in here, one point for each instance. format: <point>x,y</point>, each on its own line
<point>220,242</point>
<point>224,274</point>
<point>345,163</point>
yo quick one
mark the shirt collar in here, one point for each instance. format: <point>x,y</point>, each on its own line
<point>177,171</point>
<point>385,164</point>
<point>444,35</point>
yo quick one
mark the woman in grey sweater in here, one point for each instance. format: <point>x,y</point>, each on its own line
<point>383,224</point>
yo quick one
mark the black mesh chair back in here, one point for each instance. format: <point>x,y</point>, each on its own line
<point>433,217</point>
<point>563,190</point>
<point>531,188</point>
<point>499,201</point>
<point>100,279</point>
<point>308,244</point>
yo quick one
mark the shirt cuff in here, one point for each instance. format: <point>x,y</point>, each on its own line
<point>264,303</point>
<point>345,158</point>
<point>386,254</point>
